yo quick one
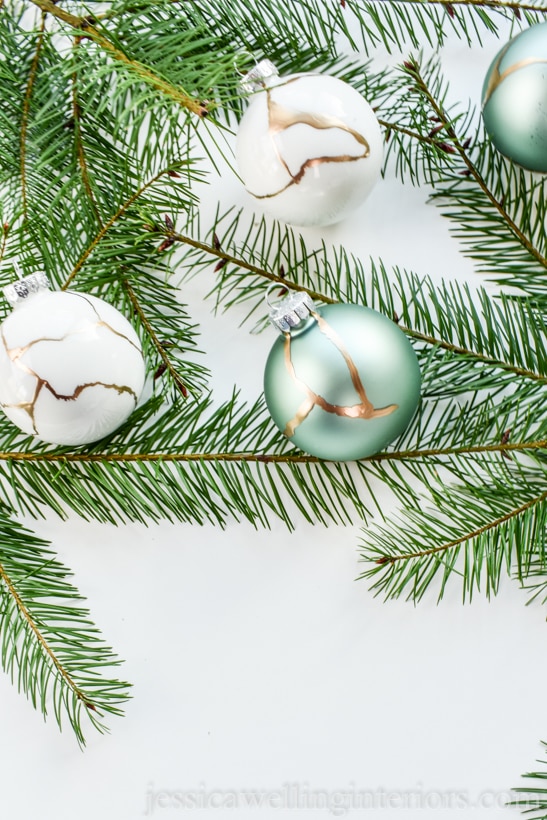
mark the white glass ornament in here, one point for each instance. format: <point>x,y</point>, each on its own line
<point>308,148</point>
<point>71,366</point>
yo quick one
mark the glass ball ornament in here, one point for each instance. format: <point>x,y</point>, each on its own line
<point>308,148</point>
<point>514,99</point>
<point>71,366</point>
<point>342,381</point>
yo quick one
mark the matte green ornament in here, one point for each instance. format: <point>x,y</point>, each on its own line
<point>342,381</point>
<point>514,99</point>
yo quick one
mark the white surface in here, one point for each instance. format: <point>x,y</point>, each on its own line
<point>259,666</point>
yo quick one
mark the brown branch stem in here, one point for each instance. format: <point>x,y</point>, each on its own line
<point>321,297</point>
<point>84,26</point>
<point>241,263</point>
<point>78,141</point>
<point>107,225</point>
<point>392,126</point>
<point>513,5</point>
<point>26,112</point>
<point>175,375</point>
<point>403,455</point>
<point>4,241</point>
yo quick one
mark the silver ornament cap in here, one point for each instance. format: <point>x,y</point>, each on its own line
<point>25,287</point>
<point>291,311</point>
<point>254,79</point>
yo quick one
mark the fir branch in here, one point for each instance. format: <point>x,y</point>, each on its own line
<point>194,490</point>
<point>468,536</point>
<point>26,110</point>
<point>491,202</point>
<point>4,239</point>
<point>532,797</point>
<point>412,68</point>
<point>196,487</point>
<point>397,24</point>
<point>454,310</point>
<point>408,132</point>
<point>230,259</point>
<point>85,27</point>
<point>501,525</point>
<point>514,5</point>
<point>43,631</point>
<point>110,480</point>
<point>167,363</point>
<point>264,457</point>
<point>122,210</point>
<point>270,28</point>
<point>79,143</point>
<point>503,448</point>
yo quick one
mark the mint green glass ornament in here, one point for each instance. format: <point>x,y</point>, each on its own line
<point>514,99</point>
<point>342,381</point>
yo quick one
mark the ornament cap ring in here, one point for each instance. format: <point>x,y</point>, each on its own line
<point>254,79</point>
<point>23,288</point>
<point>290,310</point>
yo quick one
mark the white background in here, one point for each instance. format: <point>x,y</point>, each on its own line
<point>259,664</point>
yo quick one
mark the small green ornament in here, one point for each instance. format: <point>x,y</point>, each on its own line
<point>514,99</point>
<point>342,382</point>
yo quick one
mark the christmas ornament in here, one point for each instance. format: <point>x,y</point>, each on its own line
<point>342,381</point>
<point>309,147</point>
<point>514,99</point>
<point>71,366</point>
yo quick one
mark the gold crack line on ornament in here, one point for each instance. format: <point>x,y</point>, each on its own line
<point>333,337</point>
<point>309,163</point>
<point>272,129</point>
<point>280,119</point>
<point>496,78</point>
<point>121,388</point>
<point>15,352</point>
<point>102,323</point>
<point>365,410</point>
<point>29,407</point>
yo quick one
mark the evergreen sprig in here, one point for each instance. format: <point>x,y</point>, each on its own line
<point>531,798</point>
<point>49,646</point>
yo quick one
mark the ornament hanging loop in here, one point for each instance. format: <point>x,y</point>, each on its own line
<point>243,56</point>
<point>290,310</point>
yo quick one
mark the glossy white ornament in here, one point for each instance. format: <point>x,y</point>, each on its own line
<point>71,366</point>
<point>309,148</point>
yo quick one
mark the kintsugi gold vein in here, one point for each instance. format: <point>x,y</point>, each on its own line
<point>364,410</point>
<point>496,78</point>
<point>281,118</point>
<point>15,355</point>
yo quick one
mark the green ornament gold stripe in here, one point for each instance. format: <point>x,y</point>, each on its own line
<point>364,410</point>
<point>497,77</point>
